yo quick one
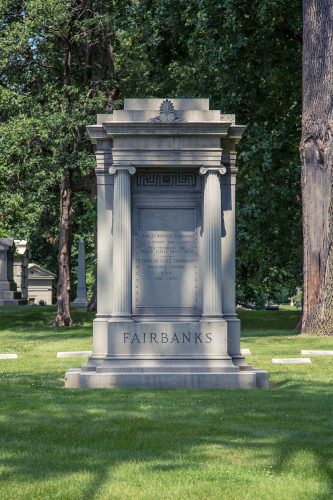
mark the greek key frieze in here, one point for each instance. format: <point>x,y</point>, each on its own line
<point>166,179</point>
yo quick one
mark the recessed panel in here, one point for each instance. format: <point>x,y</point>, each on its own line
<point>166,258</point>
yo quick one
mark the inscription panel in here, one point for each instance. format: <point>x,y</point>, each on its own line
<point>166,258</point>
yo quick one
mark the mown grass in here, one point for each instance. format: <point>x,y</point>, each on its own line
<point>155,444</point>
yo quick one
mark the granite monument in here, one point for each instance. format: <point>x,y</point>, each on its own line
<point>9,295</point>
<point>166,313</point>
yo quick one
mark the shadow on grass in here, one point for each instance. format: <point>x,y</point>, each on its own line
<point>15,317</point>
<point>49,432</point>
<point>268,323</point>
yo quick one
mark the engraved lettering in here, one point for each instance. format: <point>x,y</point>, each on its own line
<point>198,337</point>
<point>153,337</point>
<point>135,339</point>
<point>174,339</point>
<point>208,338</point>
<point>165,338</point>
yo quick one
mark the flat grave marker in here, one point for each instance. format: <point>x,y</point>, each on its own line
<point>8,356</point>
<point>73,354</point>
<point>291,361</point>
<point>316,352</point>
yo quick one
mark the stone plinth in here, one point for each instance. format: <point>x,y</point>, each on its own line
<point>166,310</point>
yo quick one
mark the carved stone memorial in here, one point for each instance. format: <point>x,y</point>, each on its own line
<point>166,317</point>
<point>9,295</point>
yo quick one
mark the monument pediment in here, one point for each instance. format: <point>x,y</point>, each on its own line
<point>35,270</point>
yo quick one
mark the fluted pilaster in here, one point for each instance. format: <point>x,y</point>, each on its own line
<point>211,269</point>
<point>122,258</point>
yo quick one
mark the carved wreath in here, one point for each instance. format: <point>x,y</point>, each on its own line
<point>168,113</point>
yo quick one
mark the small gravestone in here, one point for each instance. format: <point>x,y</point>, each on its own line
<point>8,356</point>
<point>166,309</point>
<point>245,352</point>
<point>316,352</point>
<point>291,361</point>
<point>81,291</point>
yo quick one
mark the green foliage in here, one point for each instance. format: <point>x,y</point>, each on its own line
<point>245,56</point>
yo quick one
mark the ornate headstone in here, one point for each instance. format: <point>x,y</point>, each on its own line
<point>8,289</point>
<point>81,290</point>
<point>166,317</point>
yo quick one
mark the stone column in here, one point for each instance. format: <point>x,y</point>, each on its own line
<point>122,251</point>
<point>211,268</point>
<point>229,259</point>
<point>81,291</point>
<point>104,251</point>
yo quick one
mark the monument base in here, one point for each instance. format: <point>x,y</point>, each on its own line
<point>244,379</point>
<point>11,298</point>
<point>80,303</point>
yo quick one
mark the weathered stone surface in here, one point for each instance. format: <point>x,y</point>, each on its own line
<point>291,361</point>
<point>166,312</point>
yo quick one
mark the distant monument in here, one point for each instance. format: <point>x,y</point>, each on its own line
<point>21,262</point>
<point>8,289</point>
<point>40,281</point>
<point>166,311</point>
<point>81,291</point>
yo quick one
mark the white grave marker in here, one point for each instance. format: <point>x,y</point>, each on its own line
<point>316,353</point>
<point>291,361</point>
<point>73,354</point>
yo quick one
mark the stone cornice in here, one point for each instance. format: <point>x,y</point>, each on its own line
<point>157,128</point>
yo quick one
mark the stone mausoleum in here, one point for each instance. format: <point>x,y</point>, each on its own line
<point>166,175</point>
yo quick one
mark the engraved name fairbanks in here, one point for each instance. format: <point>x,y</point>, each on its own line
<point>165,338</point>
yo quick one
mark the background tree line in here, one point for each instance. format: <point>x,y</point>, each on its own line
<point>64,61</point>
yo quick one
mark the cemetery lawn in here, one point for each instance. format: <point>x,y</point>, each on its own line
<point>58,443</point>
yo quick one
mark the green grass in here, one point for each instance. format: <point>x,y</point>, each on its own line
<point>155,444</point>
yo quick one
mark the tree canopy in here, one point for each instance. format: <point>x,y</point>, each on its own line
<point>63,61</point>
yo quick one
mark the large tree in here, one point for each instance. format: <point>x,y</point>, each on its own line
<point>57,70</point>
<point>317,157</point>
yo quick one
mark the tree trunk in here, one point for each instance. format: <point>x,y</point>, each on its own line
<point>317,155</point>
<point>63,317</point>
<point>92,305</point>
